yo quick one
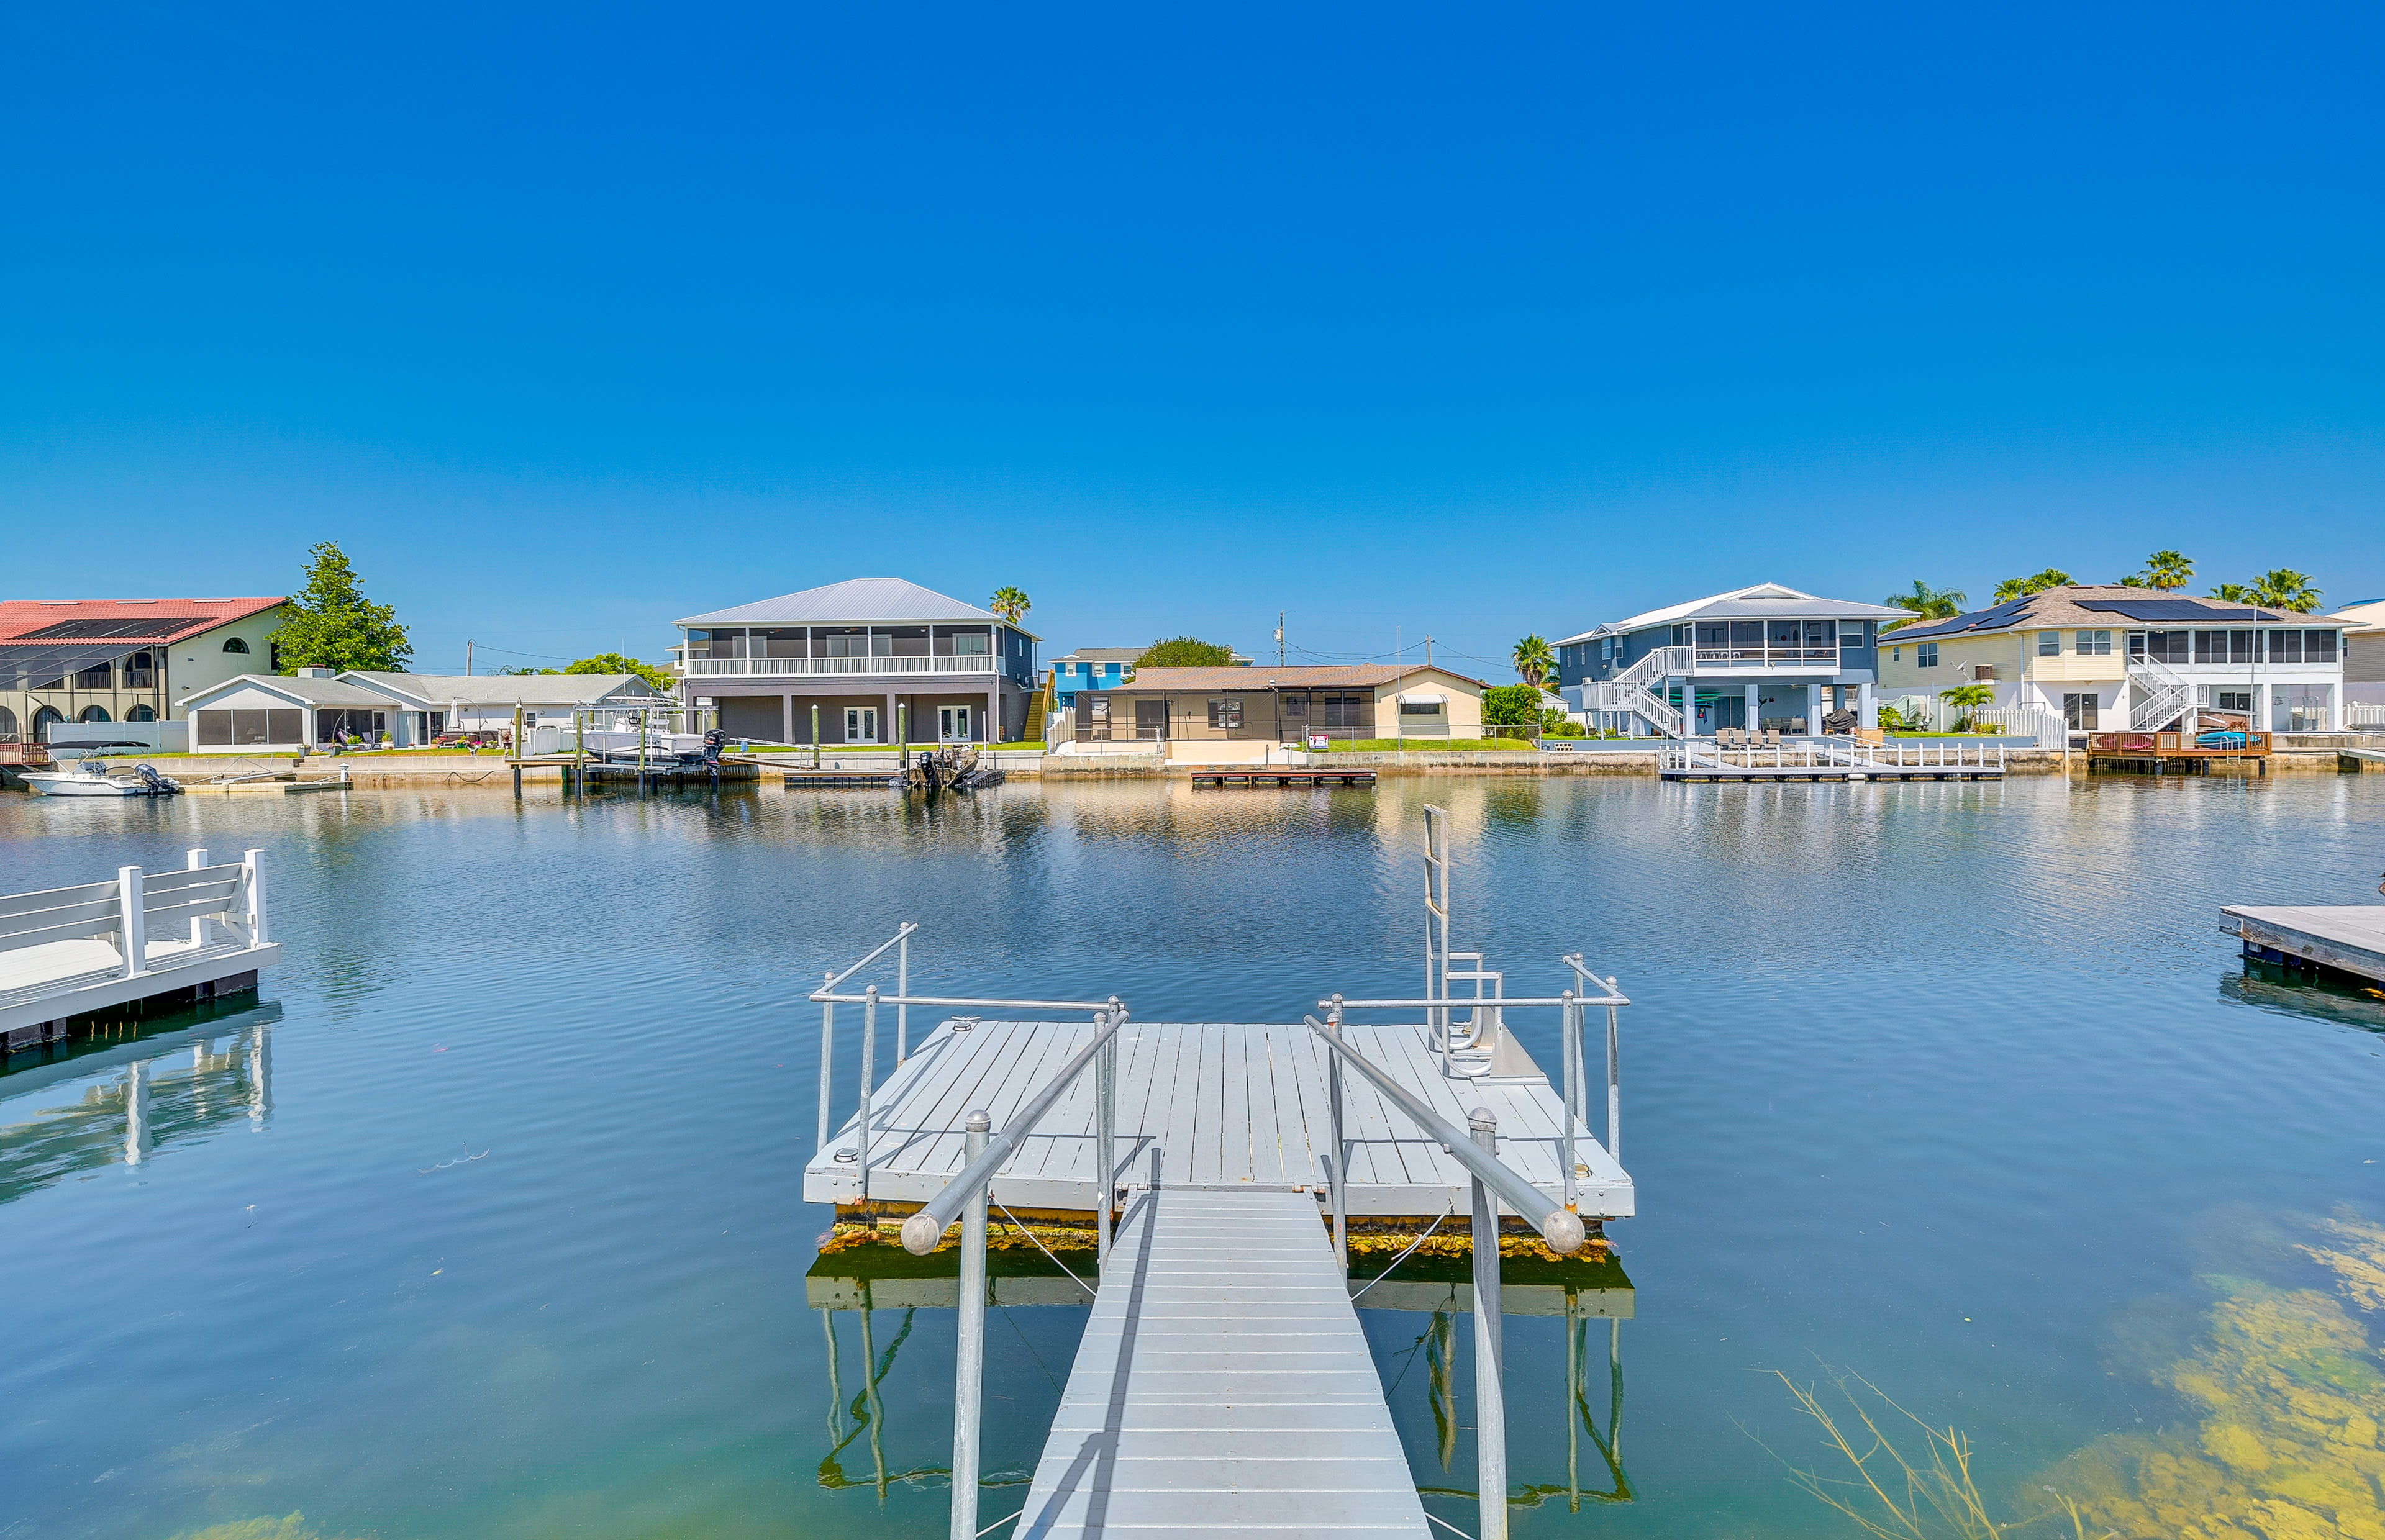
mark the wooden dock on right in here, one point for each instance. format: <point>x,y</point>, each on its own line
<point>2347,938</point>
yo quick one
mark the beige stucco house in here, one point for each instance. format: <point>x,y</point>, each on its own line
<point>118,661</point>
<point>1209,713</point>
<point>2122,658</point>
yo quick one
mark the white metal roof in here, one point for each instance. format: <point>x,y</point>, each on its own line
<point>1761,601</point>
<point>431,691</point>
<point>855,601</point>
<point>297,691</point>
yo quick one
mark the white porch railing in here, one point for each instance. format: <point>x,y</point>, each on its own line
<point>2359,714</point>
<point>2046,726</point>
<point>974,663</point>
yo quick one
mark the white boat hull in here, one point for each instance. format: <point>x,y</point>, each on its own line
<point>83,786</point>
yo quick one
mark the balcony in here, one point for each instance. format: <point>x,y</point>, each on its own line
<point>973,663</point>
<point>1726,660</point>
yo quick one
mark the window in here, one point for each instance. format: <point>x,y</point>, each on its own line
<point>1151,720</point>
<point>43,720</point>
<point>2223,647</point>
<point>780,642</point>
<point>1226,712</point>
<point>234,644</point>
<point>1295,705</point>
<point>141,713</point>
<point>2169,646</point>
<point>1851,636</point>
<point>1680,636</point>
<point>1926,655</point>
<point>2227,700</point>
<point>2049,645</point>
<point>7,726</point>
<point>2318,647</point>
<point>94,714</point>
<point>839,641</point>
<point>97,676</point>
<point>2078,712</point>
<point>1896,654</point>
<point>1349,711</point>
<point>1420,708</point>
<point>2285,647</point>
<point>140,671</point>
<point>2136,646</point>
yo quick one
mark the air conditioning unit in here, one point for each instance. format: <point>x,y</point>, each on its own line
<point>1985,672</point>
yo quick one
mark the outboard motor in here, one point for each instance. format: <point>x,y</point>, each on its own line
<point>713,742</point>
<point>159,786</point>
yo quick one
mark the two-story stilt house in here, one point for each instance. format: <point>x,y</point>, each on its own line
<point>1755,658</point>
<point>871,659</point>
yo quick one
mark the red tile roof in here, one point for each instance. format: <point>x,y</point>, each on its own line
<point>125,620</point>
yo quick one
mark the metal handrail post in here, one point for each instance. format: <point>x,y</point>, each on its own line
<point>968,1366</point>
<point>1614,1083</point>
<point>1560,1226</point>
<point>903,987</point>
<point>1490,1391</point>
<point>1570,1052</point>
<point>827,1053</point>
<point>868,1073</point>
<point>1341,1153</point>
<point>1105,1150</point>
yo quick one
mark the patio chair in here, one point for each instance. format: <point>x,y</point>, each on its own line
<point>1772,738</point>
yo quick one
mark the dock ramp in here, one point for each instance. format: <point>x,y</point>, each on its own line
<point>1222,1384</point>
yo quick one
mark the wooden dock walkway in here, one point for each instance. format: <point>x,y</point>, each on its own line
<point>1225,1105</point>
<point>1222,1384</point>
<point>2347,938</point>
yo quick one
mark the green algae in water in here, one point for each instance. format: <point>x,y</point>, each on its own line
<point>292,1527</point>
<point>2289,1389</point>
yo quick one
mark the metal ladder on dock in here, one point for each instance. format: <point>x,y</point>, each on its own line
<point>1222,1384</point>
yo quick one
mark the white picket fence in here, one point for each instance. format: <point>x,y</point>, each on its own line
<point>2046,726</point>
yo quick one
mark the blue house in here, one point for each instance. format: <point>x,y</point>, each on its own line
<point>1755,658</point>
<point>1091,668</point>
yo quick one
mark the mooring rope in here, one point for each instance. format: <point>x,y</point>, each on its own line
<point>1401,1258</point>
<point>1045,1249</point>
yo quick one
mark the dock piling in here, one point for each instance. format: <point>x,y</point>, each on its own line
<point>1490,1374</point>
<point>969,1371</point>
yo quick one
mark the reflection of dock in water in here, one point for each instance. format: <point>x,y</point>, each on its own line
<point>217,1078</point>
<point>870,1281</point>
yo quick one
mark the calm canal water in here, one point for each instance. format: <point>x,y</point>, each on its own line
<point>1956,1088</point>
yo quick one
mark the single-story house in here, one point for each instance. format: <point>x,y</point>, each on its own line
<point>431,703</point>
<point>1202,707</point>
<point>273,714</point>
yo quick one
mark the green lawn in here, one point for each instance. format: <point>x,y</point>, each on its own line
<point>1428,745</point>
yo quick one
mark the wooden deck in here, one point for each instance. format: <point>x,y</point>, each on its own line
<point>1218,1105</point>
<point>1222,1384</point>
<point>2347,938</point>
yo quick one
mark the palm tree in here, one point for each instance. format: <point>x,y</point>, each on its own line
<point>2021,588</point>
<point>1926,604</point>
<point>1967,699</point>
<point>1010,604</point>
<point>2284,588</point>
<point>1533,659</point>
<point>2166,570</point>
<point>2234,593</point>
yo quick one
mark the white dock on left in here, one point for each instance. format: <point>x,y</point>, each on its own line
<point>201,932</point>
<point>1220,1106</point>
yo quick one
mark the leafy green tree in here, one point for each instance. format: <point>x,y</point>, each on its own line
<point>1185,652</point>
<point>2167,570</point>
<point>1511,705</point>
<point>522,669</point>
<point>331,624</point>
<point>2284,588</point>
<point>2021,588</point>
<point>1010,603</point>
<point>616,662</point>
<point>1926,604</point>
<point>1533,659</point>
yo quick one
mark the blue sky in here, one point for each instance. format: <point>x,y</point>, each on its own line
<point>568,322</point>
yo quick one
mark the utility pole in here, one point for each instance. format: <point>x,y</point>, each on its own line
<point>467,659</point>
<point>1279,639</point>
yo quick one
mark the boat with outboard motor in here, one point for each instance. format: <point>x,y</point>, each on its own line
<point>91,778</point>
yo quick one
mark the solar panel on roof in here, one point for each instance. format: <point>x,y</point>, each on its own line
<point>2173,609</point>
<point>155,626</point>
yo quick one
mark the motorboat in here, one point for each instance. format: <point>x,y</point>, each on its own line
<point>91,778</point>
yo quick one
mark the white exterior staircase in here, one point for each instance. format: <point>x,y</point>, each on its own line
<point>1628,691</point>
<point>2158,695</point>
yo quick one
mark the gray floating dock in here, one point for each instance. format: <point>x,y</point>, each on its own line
<point>2347,938</point>
<point>1222,1384</point>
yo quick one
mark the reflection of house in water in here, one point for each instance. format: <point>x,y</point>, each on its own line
<point>869,1280</point>
<point>219,1077</point>
<point>2297,992</point>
